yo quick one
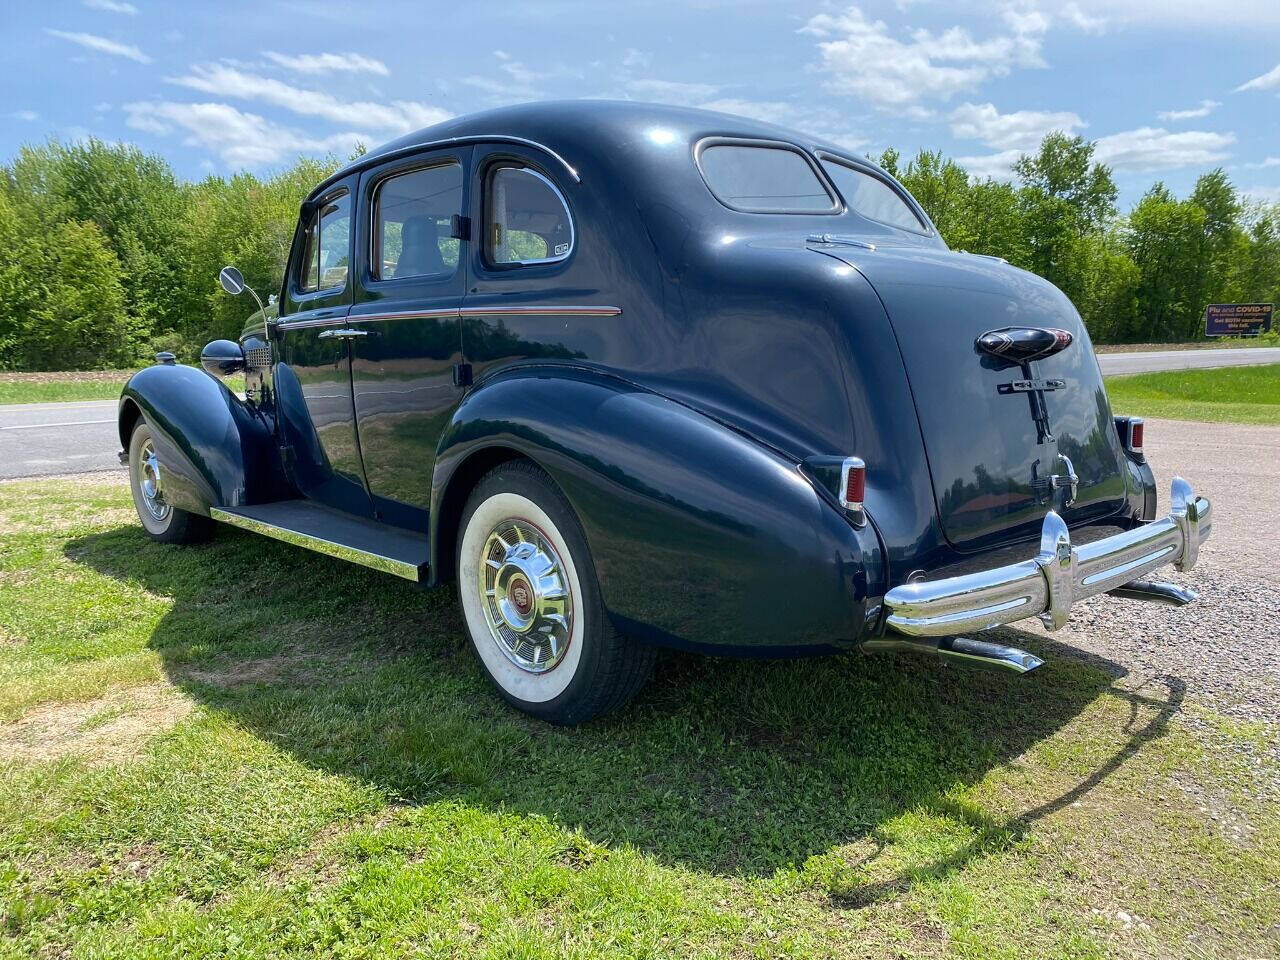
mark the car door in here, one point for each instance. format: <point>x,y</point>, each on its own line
<point>534,287</point>
<point>410,283</point>
<point>313,380</point>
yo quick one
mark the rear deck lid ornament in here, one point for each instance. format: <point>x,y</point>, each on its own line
<point>1019,345</point>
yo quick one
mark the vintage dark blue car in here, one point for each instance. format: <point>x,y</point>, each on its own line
<point>639,376</point>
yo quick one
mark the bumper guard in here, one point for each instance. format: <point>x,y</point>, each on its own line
<point>1047,585</point>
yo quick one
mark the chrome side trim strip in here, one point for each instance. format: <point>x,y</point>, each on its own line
<point>454,313</point>
<point>539,310</point>
<point>375,561</point>
<point>1060,574</point>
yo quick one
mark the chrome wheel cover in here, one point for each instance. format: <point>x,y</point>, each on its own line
<point>525,596</point>
<point>150,484</point>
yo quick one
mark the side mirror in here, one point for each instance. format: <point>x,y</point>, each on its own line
<point>232,281</point>
<point>222,358</point>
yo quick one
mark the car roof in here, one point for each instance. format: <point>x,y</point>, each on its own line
<point>612,133</point>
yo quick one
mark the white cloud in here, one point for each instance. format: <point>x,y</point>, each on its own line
<point>768,111</point>
<point>635,58</point>
<point>399,116</point>
<point>1154,148</point>
<point>862,58</point>
<point>238,139</point>
<point>27,116</point>
<point>112,6</point>
<point>93,42</point>
<point>1265,81</point>
<point>1206,107</point>
<point>997,166</point>
<point>1239,15</point>
<point>1072,13</point>
<point>673,91</point>
<point>1269,162</point>
<point>1266,195</point>
<point>520,82</point>
<point>328,63</point>
<point>1022,129</point>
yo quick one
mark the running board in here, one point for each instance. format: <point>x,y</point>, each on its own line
<point>304,523</point>
<point>976,653</point>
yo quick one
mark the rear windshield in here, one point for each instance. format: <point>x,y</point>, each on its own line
<point>763,179</point>
<point>870,196</point>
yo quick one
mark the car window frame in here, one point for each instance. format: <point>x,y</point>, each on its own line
<point>927,228</point>
<point>491,166</point>
<point>299,293</point>
<point>719,141</point>
<point>410,166</point>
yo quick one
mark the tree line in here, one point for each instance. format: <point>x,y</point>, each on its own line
<point>111,257</point>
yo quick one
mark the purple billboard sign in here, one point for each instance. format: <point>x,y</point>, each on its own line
<point>1237,319</point>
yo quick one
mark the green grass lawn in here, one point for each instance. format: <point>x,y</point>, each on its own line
<point>1227,394</point>
<point>242,749</point>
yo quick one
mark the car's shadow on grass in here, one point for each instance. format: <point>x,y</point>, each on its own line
<point>734,767</point>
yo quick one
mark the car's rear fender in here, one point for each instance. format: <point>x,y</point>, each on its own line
<point>701,537</point>
<point>214,449</point>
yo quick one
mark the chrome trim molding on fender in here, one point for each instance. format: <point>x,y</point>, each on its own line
<point>1047,585</point>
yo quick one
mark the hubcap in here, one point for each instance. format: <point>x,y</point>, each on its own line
<point>526,598</point>
<point>149,482</point>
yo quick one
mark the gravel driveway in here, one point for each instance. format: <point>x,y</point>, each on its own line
<point>1226,646</point>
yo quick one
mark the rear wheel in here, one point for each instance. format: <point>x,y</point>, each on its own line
<point>532,604</point>
<point>162,521</point>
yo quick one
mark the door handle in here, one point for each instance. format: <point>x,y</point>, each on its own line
<point>343,334</point>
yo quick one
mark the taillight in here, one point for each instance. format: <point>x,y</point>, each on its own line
<point>1129,430</point>
<point>853,486</point>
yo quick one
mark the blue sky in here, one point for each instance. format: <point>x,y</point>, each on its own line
<point>1168,88</point>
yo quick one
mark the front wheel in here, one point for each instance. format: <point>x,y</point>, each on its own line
<point>532,604</point>
<point>162,521</point>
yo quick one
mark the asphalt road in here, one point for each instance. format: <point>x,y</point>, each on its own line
<point>46,438</point>
<point>1152,361</point>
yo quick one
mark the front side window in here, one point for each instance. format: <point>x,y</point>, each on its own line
<point>412,223</point>
<point>757,178</point>
<point>872,197</point>
<point>526,219</point>
<point>328,245</point>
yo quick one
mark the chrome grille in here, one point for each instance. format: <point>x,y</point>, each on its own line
<point>259,358</point>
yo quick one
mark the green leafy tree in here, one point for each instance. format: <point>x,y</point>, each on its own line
<point>1163,238</point>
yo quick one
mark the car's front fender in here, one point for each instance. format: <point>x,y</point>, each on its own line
<point>701,537</point>
<point>214,449</point>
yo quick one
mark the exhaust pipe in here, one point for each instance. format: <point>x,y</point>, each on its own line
<point>1154,591</point>
<point>977,653</point>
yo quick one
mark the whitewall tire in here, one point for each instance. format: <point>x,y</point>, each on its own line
<point>531,602</point>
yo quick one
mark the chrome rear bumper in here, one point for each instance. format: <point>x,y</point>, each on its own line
<point>1047,585</point>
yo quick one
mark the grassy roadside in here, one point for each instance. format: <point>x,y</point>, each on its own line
<point>1226,394</point>
<point>203,752</point>
<point>73,385</point>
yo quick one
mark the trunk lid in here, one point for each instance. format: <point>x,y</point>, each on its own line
<point>989,461</point>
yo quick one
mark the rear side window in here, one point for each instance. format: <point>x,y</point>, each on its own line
<point>870,196</point>
<point>413,223</point>
<point>763,179</point>
<point>526,219</point>
<point>328,245</point>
